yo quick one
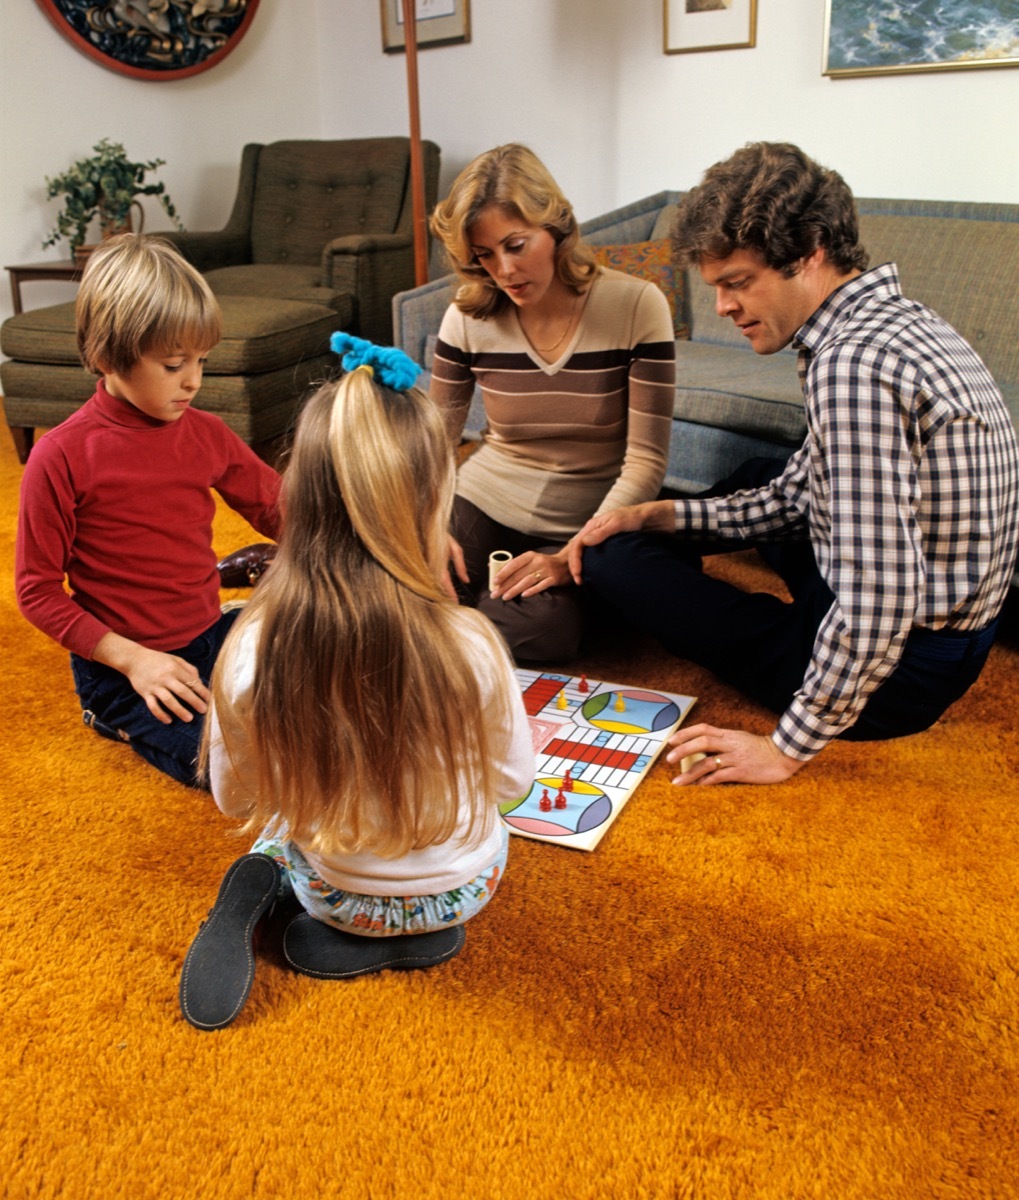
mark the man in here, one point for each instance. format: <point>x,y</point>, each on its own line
<point>894,525</point>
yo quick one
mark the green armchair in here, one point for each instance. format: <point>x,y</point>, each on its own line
<point>326,222</point>
<point>320,239</point>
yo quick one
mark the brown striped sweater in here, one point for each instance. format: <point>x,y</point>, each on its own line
<point>569,439</point>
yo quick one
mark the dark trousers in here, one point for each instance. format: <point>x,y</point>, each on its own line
<point>543,628</point>
<point>114,709</point>
<point>758,643</point>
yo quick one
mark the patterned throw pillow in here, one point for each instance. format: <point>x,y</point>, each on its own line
<point>651,261</point>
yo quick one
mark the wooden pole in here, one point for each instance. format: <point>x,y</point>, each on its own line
<point>417,174</point>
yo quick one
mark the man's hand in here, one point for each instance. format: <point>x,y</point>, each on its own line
<point>728,756</point>
<point>656,515</point>
<point>167,684</point>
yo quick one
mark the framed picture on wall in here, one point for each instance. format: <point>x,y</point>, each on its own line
<point>709,25</point>
<point>872,37</point>
<point>171,39</point>
<point>437,22</point>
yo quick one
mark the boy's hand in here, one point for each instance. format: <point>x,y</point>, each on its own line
<point>170,686</point>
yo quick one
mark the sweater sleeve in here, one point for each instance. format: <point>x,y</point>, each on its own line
<point>651,395</point>
<point>46,530</point>
<point>233,780</point>
<point>250,486</point>
<point>452,385</point>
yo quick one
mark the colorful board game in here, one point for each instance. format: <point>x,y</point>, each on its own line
<point>594,743</point>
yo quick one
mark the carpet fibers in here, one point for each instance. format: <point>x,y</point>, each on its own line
<point>804,990</point>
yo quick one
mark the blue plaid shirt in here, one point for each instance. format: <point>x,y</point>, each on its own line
<point>907,486</point>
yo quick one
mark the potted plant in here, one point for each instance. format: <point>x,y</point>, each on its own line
<point>106,185</point>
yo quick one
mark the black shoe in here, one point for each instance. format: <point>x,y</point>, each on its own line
<point>220,965</point>
<point>245,567</point>
<point>314,948</point>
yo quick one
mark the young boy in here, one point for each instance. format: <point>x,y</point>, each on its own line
<point>117,499</point>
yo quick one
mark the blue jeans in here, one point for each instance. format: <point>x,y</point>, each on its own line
<point>114,709</point>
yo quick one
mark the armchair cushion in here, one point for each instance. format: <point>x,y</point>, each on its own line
<point>307,193</point>
<point>283,283</point>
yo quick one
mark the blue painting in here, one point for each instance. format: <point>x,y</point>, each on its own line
<point>869,37</point>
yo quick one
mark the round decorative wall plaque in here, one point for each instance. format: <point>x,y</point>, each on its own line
<point>153,39</point>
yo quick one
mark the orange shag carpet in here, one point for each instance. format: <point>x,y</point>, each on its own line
<point>804,990</point>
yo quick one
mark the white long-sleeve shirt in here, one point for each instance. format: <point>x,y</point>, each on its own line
<point>424,872</point>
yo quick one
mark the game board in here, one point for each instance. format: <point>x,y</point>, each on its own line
<point>595,742</point>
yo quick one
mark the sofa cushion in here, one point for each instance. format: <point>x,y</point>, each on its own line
<point>755,395</point>
<point>651,261</point>
<point>964,270</point>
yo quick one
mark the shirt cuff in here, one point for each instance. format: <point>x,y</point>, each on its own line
<point>696,514</point>
<point>800,734</point>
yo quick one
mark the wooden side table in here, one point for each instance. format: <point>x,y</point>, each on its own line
<point>65,269</point>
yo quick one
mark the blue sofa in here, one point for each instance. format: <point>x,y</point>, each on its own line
<point>961,259</point>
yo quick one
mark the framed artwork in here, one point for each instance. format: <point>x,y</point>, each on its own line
<point>168,40</point>
<point>872,37</point>
<point>438,23</point>
<point>709,25</point>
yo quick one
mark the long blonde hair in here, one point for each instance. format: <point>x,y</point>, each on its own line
<point>365,714</point>
<point>514,179</point>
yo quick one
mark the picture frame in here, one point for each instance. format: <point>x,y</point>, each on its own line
<point>160,43</point>
<point>693,25</point>
<point>439,23</point>
<point>868,37</point>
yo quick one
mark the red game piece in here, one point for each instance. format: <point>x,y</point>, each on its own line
<point>545,804</point>
<point>560,799</point>
<point>567,781</point>
<point>583,685</point>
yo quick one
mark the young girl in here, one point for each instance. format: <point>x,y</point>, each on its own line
<point>365,723</point>
<point>117,499</point>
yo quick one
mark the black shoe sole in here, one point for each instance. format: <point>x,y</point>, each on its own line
<point>313,948</point>
<point>220,965</point>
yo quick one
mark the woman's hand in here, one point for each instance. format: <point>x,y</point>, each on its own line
<point>454,557</point>
<point>532,572</point>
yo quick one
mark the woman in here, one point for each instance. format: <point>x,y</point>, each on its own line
<point>576,365</point>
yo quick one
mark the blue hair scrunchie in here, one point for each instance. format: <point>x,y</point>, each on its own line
<point>390,365</point>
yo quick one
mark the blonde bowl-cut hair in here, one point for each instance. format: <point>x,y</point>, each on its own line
<point>513,179</point>
<point>138,296</point>
<point>364,712</point>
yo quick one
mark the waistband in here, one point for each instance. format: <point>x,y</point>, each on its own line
<point>955,644</point>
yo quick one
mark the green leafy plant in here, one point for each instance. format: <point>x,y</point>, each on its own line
<point>105,185</point>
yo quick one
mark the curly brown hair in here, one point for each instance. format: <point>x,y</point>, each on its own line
<point>770,198</point>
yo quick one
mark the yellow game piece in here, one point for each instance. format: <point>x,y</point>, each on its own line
<point>620,705</point>
<point>561,699</point>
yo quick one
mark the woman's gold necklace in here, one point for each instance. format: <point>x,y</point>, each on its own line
<point>563,336</point>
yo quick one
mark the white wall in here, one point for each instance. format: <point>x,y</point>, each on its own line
<point>57,103</point>
<point>584,82</point>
